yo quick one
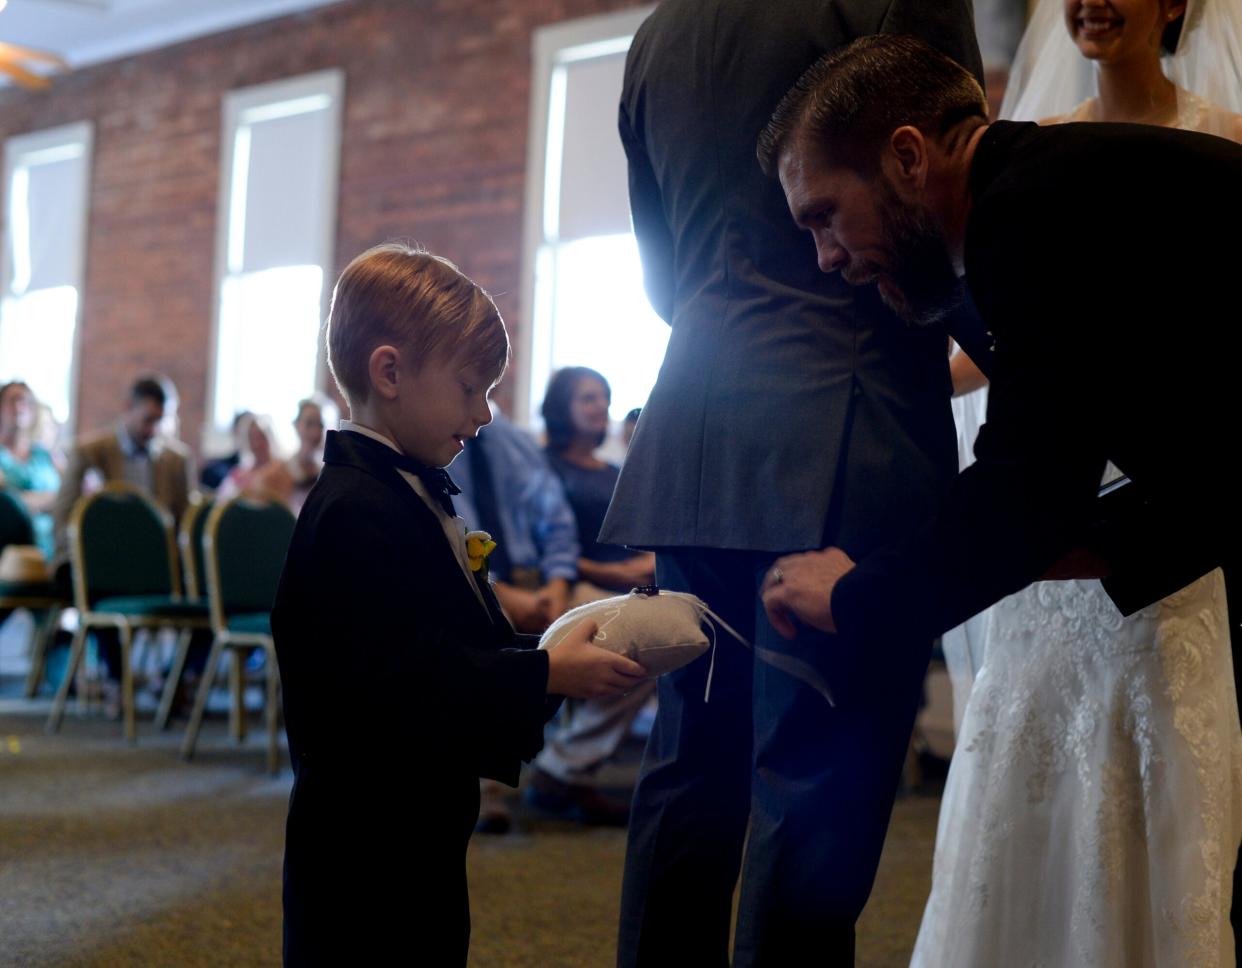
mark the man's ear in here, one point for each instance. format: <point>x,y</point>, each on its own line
<point>384,371</point>
<point>907,157</point>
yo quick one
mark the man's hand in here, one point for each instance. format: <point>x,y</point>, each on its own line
<point>800,586</point>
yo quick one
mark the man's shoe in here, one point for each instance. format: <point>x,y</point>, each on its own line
<point>575,802</point>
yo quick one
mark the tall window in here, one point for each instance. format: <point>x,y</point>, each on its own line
<point>281,150</point>
<point>47,179</point>
<point>583,280</point>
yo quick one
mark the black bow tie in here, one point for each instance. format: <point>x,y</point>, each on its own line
<point>436,479</point>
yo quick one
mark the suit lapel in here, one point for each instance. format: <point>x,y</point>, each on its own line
<point>366,454</point>
<point>494,610</point>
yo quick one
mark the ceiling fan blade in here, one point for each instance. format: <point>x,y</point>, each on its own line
<point>16,52</point>
<point>27,79</point>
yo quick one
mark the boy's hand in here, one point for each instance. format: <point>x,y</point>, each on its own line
<point>581,670</point>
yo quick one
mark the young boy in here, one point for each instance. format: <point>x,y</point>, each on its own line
<point>403,681</point>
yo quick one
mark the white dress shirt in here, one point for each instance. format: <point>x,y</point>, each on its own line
<point>454,527</point>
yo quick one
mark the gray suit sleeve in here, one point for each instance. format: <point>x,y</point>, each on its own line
<point>655,239</point>
<point>948,25</point>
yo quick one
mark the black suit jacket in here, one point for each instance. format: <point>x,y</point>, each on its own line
<point>1103,259</point>
<point>783,391</point>
<point>400,691</point>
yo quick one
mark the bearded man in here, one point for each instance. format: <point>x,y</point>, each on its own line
<point>1100,259</point>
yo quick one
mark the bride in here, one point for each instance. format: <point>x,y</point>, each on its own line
<point>1093,809</point>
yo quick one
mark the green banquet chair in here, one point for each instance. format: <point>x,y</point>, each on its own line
<point>40,595</point>
<point>245,542</point>
<point>125,577</point>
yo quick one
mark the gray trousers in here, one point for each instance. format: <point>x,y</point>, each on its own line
<point>590,733</point>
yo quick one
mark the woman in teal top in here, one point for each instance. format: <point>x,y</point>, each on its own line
<point>26,467</point>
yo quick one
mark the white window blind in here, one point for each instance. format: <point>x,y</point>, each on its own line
<point>47,179</point>
<point>583,283</point>
<point>278,214</point>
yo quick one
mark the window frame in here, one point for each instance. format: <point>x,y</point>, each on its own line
<point>553,47</point>
<point>237,104</point>
<point>22,147</point>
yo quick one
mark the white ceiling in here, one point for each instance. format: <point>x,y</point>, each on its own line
<point>90,31</point>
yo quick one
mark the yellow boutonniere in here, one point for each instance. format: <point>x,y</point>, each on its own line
<point>479,545</point>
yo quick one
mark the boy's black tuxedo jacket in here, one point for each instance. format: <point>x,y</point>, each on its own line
<point>1104,259</point>
<point>400,691</point>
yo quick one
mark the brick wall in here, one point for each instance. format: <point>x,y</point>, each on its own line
<point>433,149</point>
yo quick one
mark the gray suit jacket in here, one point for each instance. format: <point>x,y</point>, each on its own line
<point>790,407</point>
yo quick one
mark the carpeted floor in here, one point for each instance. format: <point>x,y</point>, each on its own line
<point>113,855</point>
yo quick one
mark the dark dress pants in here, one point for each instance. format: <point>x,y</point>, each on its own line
<point>375,866</point>
<point>808,788</point>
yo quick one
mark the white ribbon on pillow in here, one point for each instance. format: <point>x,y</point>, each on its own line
<point>664,631</point>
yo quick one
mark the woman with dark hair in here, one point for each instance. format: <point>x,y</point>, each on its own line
<point>575,413</point>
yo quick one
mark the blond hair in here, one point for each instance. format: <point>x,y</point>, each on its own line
<point>421,303</point>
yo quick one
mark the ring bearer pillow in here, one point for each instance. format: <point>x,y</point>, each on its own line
<point>659,630</point>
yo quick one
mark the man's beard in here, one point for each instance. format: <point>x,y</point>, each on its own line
<point>923,286</point>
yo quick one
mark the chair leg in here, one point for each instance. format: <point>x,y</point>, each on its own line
<point>273,711</point>
<point>39,649</point>
<point>140,651</point>
<point>57,714</point>
<point>200,699</point>
<point>237,681</point>
<point>174,679</point>
<point>127,682</point>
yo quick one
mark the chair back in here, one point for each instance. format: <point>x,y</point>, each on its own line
<point>190,542</point>
<point>16,527</point>
<point>121,543</point>
<point>245,544</point>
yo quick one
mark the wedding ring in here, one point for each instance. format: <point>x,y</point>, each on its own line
<point>778,576</point>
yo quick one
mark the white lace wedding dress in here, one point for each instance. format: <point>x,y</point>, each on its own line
<point>1093,809</point>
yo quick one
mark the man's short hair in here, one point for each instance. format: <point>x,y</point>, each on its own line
<point>148,388</point>
<point>403,296</point>
<point>850,101</point>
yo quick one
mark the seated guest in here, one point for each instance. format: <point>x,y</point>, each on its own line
<point>259,471</point>
<point>630,425</point>
<point>575,412</point>
<point>509,490</point>
<point>215,471</point>
<point>27,468</point>
<point>314,413</point>
<point>131,452</point>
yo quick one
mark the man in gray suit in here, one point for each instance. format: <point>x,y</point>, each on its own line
<point>791,412</point>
